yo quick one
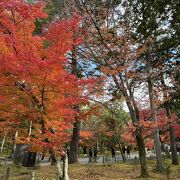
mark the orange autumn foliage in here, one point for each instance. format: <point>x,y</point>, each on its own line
<point>148,127</point>
<point>35,83</point>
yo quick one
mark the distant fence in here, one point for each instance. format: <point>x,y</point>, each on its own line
<point>118,159</point>
<point>111,160</point>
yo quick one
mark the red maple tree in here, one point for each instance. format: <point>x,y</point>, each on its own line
<point>36,85</point>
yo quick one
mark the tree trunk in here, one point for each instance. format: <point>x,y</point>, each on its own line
<point>174,155</point>
<point>139,140</point>
<point>74,143</point>
<point>76,127</point>
<point>30,128</point>
<point>134,113</point>
<point>62,171</point>
<point>120,148</point>
<point>14,147</point>
<point>157,143</point>
<point>3,141</point>
<point>159,160</point>
<point>65,168</point>
<point>59,169</point>
<point>142,154</point>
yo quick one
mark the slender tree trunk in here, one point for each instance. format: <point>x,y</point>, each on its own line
<point>120,148</point>
<point>14,147</point>
<point>65,168</point>
<point>30,128</point>
<point>159,160</point>
<point>134,113</point>
<point>74,143</point>
<point>3,141</point>
<point>174,155</point>
<point>140,141</point>
<point>142,154</point>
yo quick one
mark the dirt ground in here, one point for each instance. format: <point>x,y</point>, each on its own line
<point>93,171</point>
<point>119,172</point>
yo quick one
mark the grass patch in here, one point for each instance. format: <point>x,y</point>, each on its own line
<point>23,173</point>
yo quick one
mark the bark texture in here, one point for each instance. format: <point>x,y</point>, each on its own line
<point>174,155</point>
<point>76,127</point>
<point>142,154</point>
<point>134,113</point>
<point>74,143</point>
<point>157,143</point>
